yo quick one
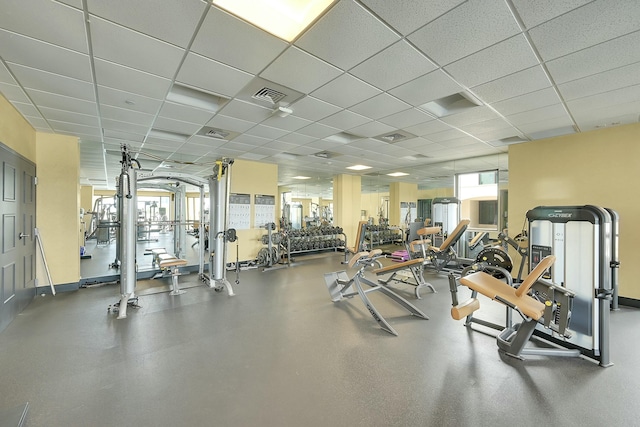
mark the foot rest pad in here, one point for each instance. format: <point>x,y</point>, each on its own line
<point>466,308</point>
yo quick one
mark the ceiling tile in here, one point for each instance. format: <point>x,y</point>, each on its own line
<point>345,120</point>
<point>529,101</point>
<point>26,109</point>
<point>470,116</point>
<point>176,126</point>
<point>48,82</point>
<point>313,109</point>
<point>234,42</point>
<point>127,100</point>
<point>407,16</point>
<point>605,56</point>
<point>519,83</point>
<point>185,113</point>
<point>446,135</point>
<point>485,126</point>
<point>545,113</point>
<point>466,29</point>
<point>597,118</point>
<point>36,54</point>
<point>178,18</point>
<point>13,93</point>
<point>266,132</point>
<point>434,85</point>
<point>606,99</point>
<point>346,35</point>
<point>69,117</point>
<point>428,127</point>
<point>345,91</point>
<point>311,72</point>
<point>72,128</point>
<point>536,12</point>
<point>297,138</point>
<point>124,126</point>
<point>289,123</point>
<point>380,106</point>
<point>5,76</point>
<point>497,61</point>
<point>589,25</point>
<point>406,118</point>
<point>127,79</point>
<point>197,71</point>
<point>395,65</point>
<point>371,129</point>
<point>246,111</point>
<point>318,130</point>
<point>546,128</point>
<point>602,82</point>
<point>51,100</point>
<point>135,50</point>
<point>231,123</point>
<point>18,16</point>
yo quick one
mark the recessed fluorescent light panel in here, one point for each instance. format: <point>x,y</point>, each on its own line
<point>301,177</point>
<point>282,18</point>
<point>358,167</point>
<point>195,98</point>
<point>397,174</point>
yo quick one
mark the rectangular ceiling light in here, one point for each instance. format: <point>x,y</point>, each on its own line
<point>195,98</point>
<point>301,177</point>
<point>282,18</point>
<point>358,167</point>
<point>397,174</point>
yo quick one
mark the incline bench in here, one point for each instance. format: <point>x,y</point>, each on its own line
<point>399,274</point>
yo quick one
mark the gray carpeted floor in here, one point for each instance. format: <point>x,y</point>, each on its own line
<point>280,353</point>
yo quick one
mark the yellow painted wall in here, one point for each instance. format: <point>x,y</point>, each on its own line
<point>252,178</point>
<point>598,168</point>
<point>58,218</point>
<point>371,202</point>
<point>346,204</point>
<point>15,132</point>
<point>400,192</point>
<point>436,192</point>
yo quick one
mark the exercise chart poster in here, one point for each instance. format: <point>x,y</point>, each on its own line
<point>239,211</point>
<point>265,210</point>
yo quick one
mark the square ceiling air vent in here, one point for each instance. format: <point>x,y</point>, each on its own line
<point>216,133</point>
<point>395,136</point>
<point>451,104</point>
<point>269,95</point>
<point>325,155</point>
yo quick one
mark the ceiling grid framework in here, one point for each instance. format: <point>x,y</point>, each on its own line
<point>117,72</point>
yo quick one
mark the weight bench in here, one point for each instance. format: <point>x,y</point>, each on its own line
<point>169,264</point>
<point>553,313</point>
<point>440,257</point>
<point>399,275</point>
<point>339,286</point>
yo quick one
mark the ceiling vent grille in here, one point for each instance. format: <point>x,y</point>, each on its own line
<point>269,95</point>
<point>216,133</point>
<point>325,155</point>
<point>393,137</point>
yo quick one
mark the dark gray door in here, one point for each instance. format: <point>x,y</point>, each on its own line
<point>17,251</point>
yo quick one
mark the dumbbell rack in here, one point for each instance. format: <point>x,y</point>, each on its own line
<point>381,235</point>
<point>316,239</point>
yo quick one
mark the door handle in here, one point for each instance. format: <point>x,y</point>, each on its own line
<point>21,235</point>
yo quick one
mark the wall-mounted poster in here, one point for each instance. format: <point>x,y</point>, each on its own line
<point>264,210</point>
<point>240,211</point>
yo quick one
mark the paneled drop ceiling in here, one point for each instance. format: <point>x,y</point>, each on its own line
<point>401,86</point>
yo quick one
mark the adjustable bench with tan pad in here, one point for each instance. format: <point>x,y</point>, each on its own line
<point>513,339</point>
<point>339,286</point>
<point>399,274</point>
<point>169,264</point>
<point>440,256</point>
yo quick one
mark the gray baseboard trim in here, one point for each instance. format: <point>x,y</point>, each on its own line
<point>629,302</point>
<point>65,287</point>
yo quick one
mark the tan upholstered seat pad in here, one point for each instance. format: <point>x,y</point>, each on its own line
<point>491,287</point>
<point>398,266</point>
